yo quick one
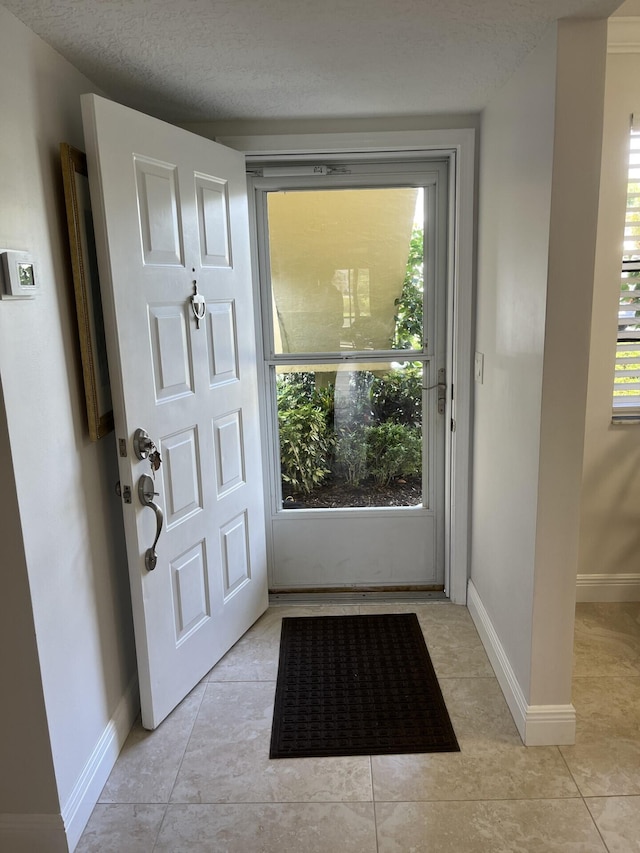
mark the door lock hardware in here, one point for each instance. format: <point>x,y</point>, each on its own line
<point>144,447</point>
<point>142,444</point>
<point>123,492</point>
<point>442,391</point>
<point>146,494</point>
<point>441,385</point>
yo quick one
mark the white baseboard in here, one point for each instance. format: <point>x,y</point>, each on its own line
<point>538,725</point>
<point>77,810</point>
<point>550,725</point>
<point>613,587</point>
<point>26,833</point>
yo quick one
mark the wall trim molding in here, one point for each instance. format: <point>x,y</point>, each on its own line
<point>538,725</point>
<point>623,35</point>
<point>608,587</point>
<point>24,833</point>
<point>550,721</point>
<point>77,810</point>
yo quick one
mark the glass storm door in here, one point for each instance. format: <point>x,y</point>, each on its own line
<point>353,295</point>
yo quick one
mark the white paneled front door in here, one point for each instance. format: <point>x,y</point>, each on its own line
<point>172,238</point>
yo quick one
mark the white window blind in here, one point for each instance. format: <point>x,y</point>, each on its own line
<point>626,384</point>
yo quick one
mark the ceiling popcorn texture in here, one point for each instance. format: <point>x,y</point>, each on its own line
<point>199,60</point>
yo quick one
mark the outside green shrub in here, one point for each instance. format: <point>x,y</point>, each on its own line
<point>350,456</point>
<point>397,396</point>
<point>377,429</point>
<point>304,447</point>
<point>393,450</point>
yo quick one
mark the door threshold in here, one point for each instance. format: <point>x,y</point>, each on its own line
<point>351,596</point>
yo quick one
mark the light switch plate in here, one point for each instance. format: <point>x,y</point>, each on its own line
<point>18,275</point>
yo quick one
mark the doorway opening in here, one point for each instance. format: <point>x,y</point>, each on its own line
<point>353,270</point>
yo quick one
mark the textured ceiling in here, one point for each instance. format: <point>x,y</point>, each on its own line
<point>198,60</point>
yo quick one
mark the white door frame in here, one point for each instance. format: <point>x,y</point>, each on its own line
<point>459,146</point>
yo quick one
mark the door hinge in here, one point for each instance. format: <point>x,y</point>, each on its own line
<point>453,425</point>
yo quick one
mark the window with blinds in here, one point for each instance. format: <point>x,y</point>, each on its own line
<point>626,384</point>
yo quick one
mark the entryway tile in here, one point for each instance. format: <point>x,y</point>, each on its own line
<point>607,640</point>
<point>147,766</point>
<point>227,760</point>
<point>116,828</point>
<point>251,659</point>
<point>492,762</point>
<point>451,637</point>
<point>269,828</point>
<point>270,623</point>
<point>605,760</point>
<point>455,647</point>
<point>484,773</point>
<point>535,826</point>
<point>618,819</point>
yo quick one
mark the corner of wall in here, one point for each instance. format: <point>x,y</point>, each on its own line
<point>538,725</point>
<point>32,832</point>
<point>77,810</point>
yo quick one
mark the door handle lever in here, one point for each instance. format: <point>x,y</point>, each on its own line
<point>146,495</point>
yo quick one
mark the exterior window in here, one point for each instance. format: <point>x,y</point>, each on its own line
<point>626,385</point>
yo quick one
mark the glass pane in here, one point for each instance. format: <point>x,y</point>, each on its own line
<point>346,269</point>
<point>350,435</point>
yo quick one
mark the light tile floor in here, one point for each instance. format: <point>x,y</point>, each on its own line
<point>203,782</point>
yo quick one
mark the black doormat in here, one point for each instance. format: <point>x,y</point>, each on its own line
<point>357,685</point>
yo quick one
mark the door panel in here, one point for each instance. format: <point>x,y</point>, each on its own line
<point>181,476</point>
<point>213,220</point>
<point>170,351</point>
<point>222,342</point>
<point>170,212</point>
<point>159,212</point>
<point>348,551</point>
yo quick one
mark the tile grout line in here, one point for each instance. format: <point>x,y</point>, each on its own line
<point>582,797</point>
<point>606,846</point>
<point>160,825</point>
<point>186,746</point>
<point>373,803</point>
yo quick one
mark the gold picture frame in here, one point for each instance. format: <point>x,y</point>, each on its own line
<point>86,286</point>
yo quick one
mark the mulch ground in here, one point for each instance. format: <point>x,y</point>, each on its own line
<point>336,495</point>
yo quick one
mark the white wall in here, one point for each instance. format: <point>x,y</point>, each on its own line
<point>64,484</point>
<point>610,521</point>
<point>276,127</point>
<point>513,244</point>
<point>22,709</point>
<point>573,228</point>
<point>537,226</point>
